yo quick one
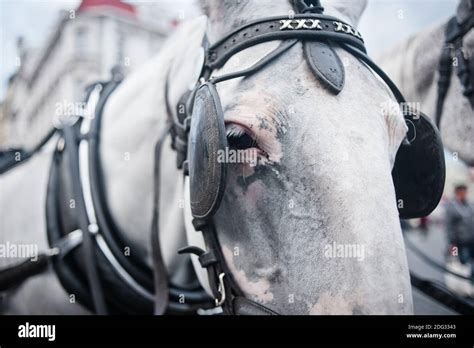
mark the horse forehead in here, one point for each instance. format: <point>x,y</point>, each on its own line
<point>286,95</point>
<point>300,105</point>
<point>268,98</point>
<point>256,105</point>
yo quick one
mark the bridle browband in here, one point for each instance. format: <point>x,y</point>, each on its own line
<point>298,26</point>
<point>308,25</point>
<point>454,34</point>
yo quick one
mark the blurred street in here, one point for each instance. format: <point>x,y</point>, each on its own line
<point>432,242</point>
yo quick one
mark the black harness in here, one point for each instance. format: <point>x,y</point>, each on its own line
<point>88,250</point>
<point>13,157</point>
<point>454,34</point>
<point>127,280</point>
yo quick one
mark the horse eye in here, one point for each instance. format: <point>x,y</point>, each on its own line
<point>239,139</point>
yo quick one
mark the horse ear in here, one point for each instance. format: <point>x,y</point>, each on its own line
<point>205,7</point>
<point>350,11</point>
<point>188,60</point>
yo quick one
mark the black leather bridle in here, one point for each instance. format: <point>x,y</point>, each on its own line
<point>309,24</point>
<point>454,34</point>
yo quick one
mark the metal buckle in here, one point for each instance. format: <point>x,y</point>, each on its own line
<point>221,290</point>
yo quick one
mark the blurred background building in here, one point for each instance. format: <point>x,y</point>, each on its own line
<point>85,44</point>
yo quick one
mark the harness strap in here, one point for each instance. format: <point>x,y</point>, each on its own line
<point>285,46</point>
<point>305,6</point>
<point>180,125</point>
<point>440,293</point>
<point>464,75</point>
<point>300,26</point>
<point>226,292</point>
<point>454,35</point>
<point>445,69</point>
<point>160,274</point>
<point>88,249</point>
<point>11,162</point>
<point>244,306</point>
<point>16,274</point>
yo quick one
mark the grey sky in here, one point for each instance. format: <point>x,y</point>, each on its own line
<point>384,23</point>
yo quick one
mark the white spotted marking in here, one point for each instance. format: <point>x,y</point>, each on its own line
<point>259,290</point>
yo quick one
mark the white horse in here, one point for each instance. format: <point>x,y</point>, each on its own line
<point>413,66</point>
<point>327,182</point>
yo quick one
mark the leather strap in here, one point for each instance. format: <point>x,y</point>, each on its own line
<point>88,247</point>
<point>301,26</point>
<point>221,281</point>
<point>180,123</point>
<point>455,33</point>
<point>8,158</point>
<point>16,274</point>
<point>160,274</point>
<point>444,70</point>
<point>226,292</point>
<point>465,75</point>
<point>308,6</point>
<point>244,306</point>
<point>285,46</point>
<point>325,64</point>
<point>365,58</point>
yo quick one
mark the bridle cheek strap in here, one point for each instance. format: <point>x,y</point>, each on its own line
<point>207,135</point>
<point>226,292</point>
<point>244,306</point>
